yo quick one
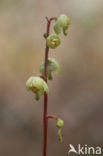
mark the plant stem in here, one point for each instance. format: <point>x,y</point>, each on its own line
<point>52,117</point>
<point>45,121</point>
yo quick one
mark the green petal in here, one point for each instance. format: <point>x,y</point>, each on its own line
<point>28,83</point>
<point>57,29</point>
<point>46,89</point>
<point>64,32</point>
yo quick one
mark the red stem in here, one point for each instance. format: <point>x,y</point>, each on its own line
<point>52,117</point>
<point>45,121</point>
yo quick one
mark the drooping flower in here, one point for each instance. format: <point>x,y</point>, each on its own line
<point>53,66</point>
<point>62,22</point>
<point>37,85</point>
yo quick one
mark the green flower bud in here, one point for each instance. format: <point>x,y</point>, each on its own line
<point>63,23</point>
<point>60,136</point>
<point>37,85</point>
<point>53,66</point>
<point>53,41</point>
<point>59,123</point>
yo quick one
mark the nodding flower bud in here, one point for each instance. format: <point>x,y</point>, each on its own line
<point>59,123</point>
<point>53,66</point>
<point>37,85</point>
<point>62,22</point>
<point>53,41</point>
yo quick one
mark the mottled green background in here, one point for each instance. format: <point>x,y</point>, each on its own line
<point>76,95</point>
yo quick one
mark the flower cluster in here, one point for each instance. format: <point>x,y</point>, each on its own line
<point>37,84</point>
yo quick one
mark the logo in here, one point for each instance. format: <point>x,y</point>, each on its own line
<point>84,149</point>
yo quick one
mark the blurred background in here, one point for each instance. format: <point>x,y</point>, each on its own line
<point>76,95</point>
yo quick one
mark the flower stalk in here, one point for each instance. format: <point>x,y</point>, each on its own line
<point>38,85</point>
<point>45,121</point>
